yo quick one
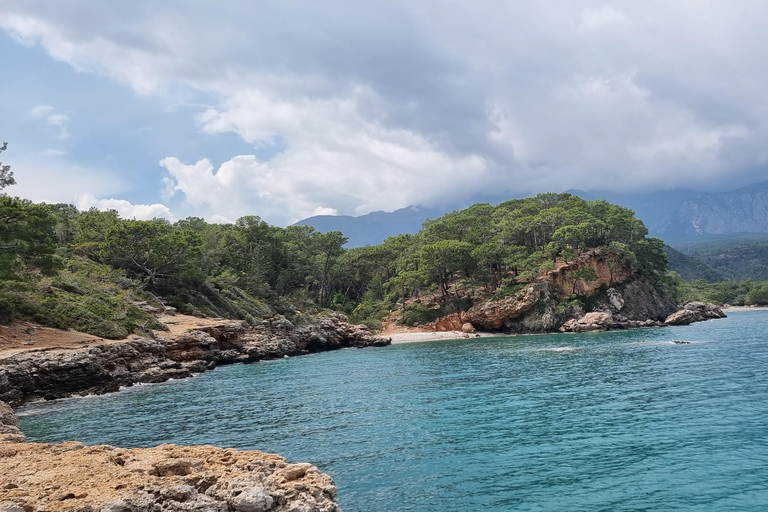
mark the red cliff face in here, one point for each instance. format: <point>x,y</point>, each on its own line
<point>521,307</point>
<point>607,264</point>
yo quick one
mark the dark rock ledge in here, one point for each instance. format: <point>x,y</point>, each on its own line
<point>51,374</point>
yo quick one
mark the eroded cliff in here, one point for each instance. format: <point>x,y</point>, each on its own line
<point>102,368</point>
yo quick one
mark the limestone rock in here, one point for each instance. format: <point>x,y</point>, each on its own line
<point>72,476</point>
<point>694,312</point>
<point>593,321</point>
<point>615,299</point>
<point>468,328</point>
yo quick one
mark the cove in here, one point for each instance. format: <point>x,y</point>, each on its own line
<point>622,420</point>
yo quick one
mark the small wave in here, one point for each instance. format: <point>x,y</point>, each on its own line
<point>558,349</point>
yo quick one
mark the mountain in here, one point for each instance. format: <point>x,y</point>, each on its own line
<point>690,268</point>
<point>650,207</point>
<point>373,228</point>
<point>744,210</point>
<point>735,257</point>
<point>678,216</point>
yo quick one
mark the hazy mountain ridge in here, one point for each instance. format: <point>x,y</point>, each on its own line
<point>678,216</point>
<point>744,210</point>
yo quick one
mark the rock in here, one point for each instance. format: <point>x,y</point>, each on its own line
<point>594,321</point>
<point>255,499</point>
<point>9,425</point>
<point>694,312</point>
<point>615,298</point>
<point>468,328</point>
<point>104,368</point>
<point>71,476</point>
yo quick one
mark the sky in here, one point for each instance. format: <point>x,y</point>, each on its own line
<point>289,109</point>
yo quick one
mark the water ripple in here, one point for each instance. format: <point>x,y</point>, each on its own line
<point>618,421</point>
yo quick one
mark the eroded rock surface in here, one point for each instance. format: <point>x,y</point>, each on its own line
<point>72,476</point>
<point>694,312</point>
<point>51,374</point>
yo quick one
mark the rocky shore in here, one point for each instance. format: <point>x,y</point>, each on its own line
<point>617,298</point>
<point>102,368</point>
<point>71,476</point>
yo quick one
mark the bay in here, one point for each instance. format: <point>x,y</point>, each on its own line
<point>620,421</point>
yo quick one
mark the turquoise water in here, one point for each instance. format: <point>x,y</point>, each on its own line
<point>613,421</point>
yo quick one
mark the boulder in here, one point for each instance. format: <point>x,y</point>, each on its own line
<point>694,312</point>
<point>594,321</point>
<point>468,328</point>
<point>615,299</point>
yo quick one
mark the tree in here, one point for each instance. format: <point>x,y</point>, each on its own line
<point>441,260</point>
<point>585,273</point>
<point>26,236</point>
<point>6,175</point>
<point>152,248</point>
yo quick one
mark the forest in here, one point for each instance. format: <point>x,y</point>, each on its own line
<point>92,271</point>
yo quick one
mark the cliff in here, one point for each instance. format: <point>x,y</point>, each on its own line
<point>71,476</point>
<point>618,298</point>
<point>102,368</point>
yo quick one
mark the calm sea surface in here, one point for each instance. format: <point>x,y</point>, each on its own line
<point>611,421</point>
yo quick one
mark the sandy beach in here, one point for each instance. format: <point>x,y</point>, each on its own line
<point>416,336</point>
<point>731,309</point>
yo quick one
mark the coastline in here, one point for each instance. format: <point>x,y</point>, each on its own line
<point>732,309</point>
<point>419,336</point>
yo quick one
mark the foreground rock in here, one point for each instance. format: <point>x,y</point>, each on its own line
<point>71,476</point>
<point>694,312</point>
<point>51,374</point>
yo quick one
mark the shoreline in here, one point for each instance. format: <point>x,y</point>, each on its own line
<point>732,309</point>
<point>419,336</point>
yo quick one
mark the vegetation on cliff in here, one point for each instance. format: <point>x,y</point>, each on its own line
<point>98,273</point>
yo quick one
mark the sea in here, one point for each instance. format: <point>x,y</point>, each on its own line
<point>655,419</point>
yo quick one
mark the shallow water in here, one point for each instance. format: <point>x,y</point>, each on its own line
<point>613,421</point>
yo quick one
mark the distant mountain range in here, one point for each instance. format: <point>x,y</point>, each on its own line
<point>744,210</point>
<point>677,216</point>
<point>375,227</point>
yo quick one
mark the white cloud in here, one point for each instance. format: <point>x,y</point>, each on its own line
<point>325,211</point>
<point>56,180</point>
<point>378,105</point>
<point>53,118</point>
<point>41,111</point>
<point>125,208</point>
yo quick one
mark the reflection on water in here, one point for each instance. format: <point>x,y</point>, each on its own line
<point>610,421</point>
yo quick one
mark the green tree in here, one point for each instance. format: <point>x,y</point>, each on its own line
<point>585,273</point>
<point>6,175</point>
<point>152,248</point>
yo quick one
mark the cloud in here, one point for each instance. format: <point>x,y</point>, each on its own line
<point>41,111</point>
<point>53,118</point>
<point>377,105</point>
<point>42,178</point>
<point>125,208</point>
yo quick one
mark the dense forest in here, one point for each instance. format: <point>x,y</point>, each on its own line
<point>96,272</point>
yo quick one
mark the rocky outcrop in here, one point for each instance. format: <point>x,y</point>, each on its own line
<point>694,312</point>
<point>593,321</point>
<point>607,265</point>
<point>71,476</point>
<point>50,374</point>
<point>9,425</point>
